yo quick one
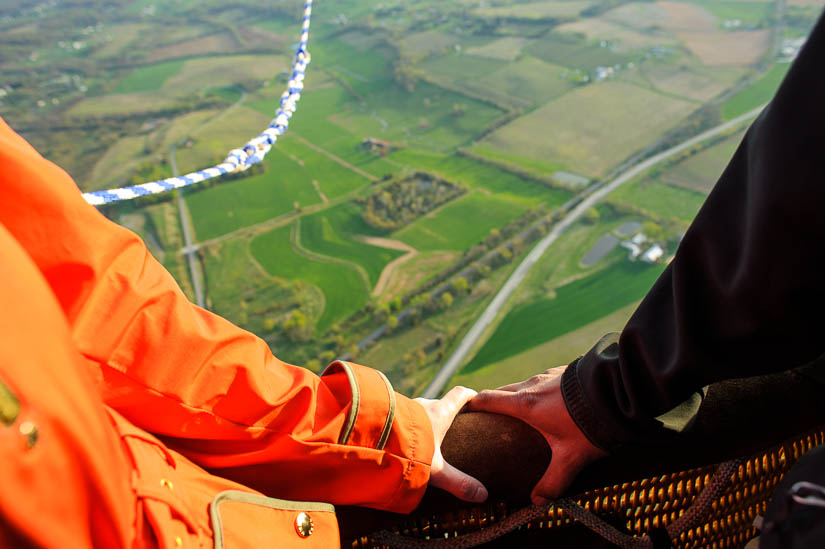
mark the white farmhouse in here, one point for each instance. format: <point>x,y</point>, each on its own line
<point>653,254</point>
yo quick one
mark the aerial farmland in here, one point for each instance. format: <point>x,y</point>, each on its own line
<point>517,108</point>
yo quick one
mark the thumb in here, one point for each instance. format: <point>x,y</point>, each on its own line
<point>497,402</point>
<point>560,473</point>
<point>459,484</point>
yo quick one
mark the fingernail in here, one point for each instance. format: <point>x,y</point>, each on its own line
<point>480,494</point>
<point>538,500</point>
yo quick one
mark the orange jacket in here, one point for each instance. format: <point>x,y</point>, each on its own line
<point>99,348</point>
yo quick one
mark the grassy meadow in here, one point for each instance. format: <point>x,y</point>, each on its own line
<point>459,224</point>
<point>592,128</point>
<point>333,232</point>
<point>343,289</point>
<point>576,304</point>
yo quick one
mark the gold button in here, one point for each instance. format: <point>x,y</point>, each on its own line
<point>167,483</point>
<point>29,430</point>
<point>304,525</point>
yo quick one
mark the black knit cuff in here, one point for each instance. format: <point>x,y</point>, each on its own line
<point>581,411</point>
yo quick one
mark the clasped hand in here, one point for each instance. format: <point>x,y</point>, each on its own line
<point>538,402</point>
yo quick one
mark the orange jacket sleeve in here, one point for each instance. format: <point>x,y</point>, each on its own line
<point>209,389</point>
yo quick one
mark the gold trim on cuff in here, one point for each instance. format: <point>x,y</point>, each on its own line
<point>385,433</point>
<point>352,415</point>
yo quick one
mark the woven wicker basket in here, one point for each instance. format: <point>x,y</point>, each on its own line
<point>640,506</point>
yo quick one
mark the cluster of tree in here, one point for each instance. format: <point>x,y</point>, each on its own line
<point>401,202</point>
<point>430,350</point>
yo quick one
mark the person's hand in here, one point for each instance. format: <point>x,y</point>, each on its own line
<point>539,403</point>
<point>442,474</point>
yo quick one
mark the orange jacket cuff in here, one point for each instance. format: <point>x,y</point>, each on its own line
<point>382,419</point>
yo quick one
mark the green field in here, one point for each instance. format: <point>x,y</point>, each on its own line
<point>487,179</point>
<point>149,77</point>
<point>455,68</point>
<point>556,352</point>
<point>591,128</point>
<point>428,42</point>
<point>660,199</point>
<point>758,93</point>
<point>460,224</point>
<point>343,289</point>
<point>530,79</point>
<point>575,53</point>
<point>536,10</point>
<point>313,123</point>
<point>575,305</point>
<point>749,13</point>
<point>333,178</point>
<point>424,119</point>
<point>242,292</point>
<point>331,232</point>
<point>213,137</point>
<point>232,205</point>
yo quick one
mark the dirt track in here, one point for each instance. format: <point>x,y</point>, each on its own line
<point>389,269</point>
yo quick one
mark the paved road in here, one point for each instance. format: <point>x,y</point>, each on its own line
<point>462,351</point>
<point>189,248</point>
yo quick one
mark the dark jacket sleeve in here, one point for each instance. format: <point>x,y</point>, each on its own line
<point>745,293</point>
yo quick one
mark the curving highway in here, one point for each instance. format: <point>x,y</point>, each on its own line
<point>450,367</point>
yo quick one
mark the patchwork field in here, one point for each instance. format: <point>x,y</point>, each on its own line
<point>428,42</point>
<point>622,38</point>
<point>537,10</point>
<point>197,74</point>
<point>219,43</point>
<point>121,104</point>
<point>728,47</point>
<point>503,49</point>
<point>591,128</point>
<point>748,13</point>
<point>575,52</point>
<point>576,305</point>
<point>529,79</point>
<point>698,25</point>
<point>681,76</point>
<point>642,16</point>
<point>117,38</point>
<point>343,289</point>
<point>460,67</point>
<point>459,224</point>
<point>701,171</point>
<point>149,78</point>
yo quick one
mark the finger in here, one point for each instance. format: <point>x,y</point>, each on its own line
<point>456,398</point>
<point>560,473</point>
<point>539,379</point>
<point>497,402</point>
<point>459,484</point>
